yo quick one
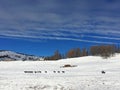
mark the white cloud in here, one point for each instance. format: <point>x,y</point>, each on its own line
<point>61,20</point>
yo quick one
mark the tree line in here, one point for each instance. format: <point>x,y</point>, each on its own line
<point>104,51</point>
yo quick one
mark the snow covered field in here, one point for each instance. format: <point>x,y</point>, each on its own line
<point>50,75</point>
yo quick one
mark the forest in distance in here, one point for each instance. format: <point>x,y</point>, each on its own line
<point>104,51</point>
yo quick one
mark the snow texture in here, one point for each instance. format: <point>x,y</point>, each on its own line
<point>9,55</point>
<point>51,75</point>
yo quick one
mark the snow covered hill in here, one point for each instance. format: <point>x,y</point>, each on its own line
<point>85,73</point>
<point>12,56</point>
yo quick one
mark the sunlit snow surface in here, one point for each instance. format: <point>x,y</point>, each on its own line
<point>85,76</point>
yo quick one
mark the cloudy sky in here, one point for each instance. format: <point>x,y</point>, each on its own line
<point>41,26</point>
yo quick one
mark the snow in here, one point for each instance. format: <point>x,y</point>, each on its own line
<point>85,76</point>
<point>10,55</point>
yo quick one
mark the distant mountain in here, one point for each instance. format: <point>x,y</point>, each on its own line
<point>14,56</point>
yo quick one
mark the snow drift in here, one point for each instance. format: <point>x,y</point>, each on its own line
<point>86,75</point>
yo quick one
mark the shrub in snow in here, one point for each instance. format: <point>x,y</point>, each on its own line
<point>68,65</point>
<point>103,72</point>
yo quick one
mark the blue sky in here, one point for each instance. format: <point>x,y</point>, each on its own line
<point>40,27</point>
